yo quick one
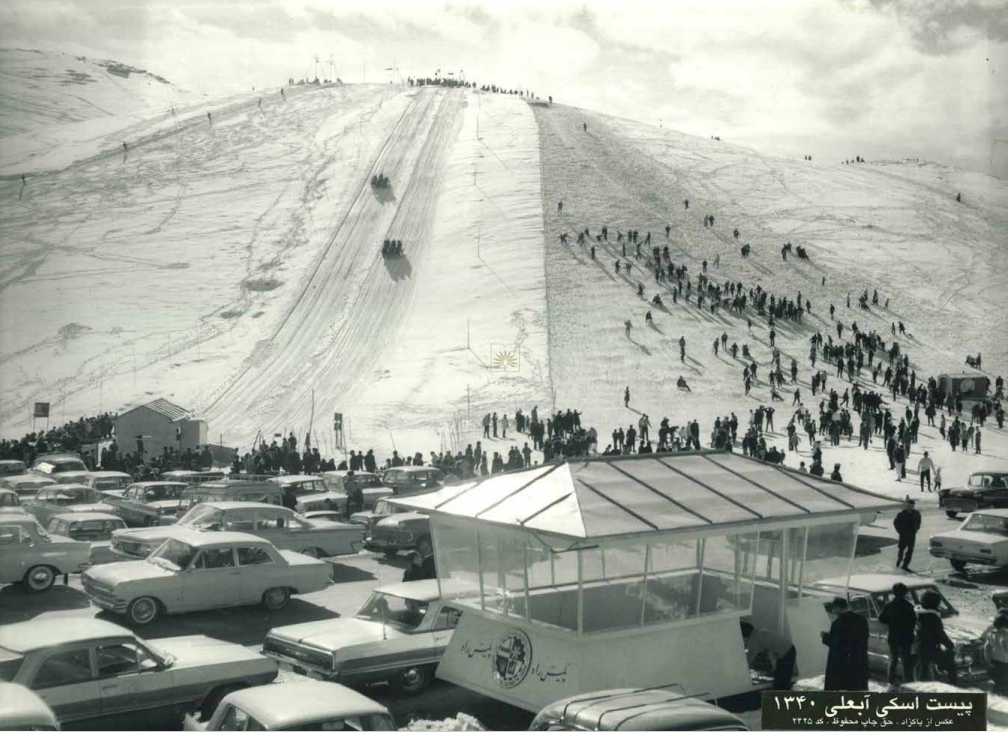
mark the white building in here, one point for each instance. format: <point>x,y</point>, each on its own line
<point>161,424</point>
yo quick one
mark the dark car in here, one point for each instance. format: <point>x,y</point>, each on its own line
<point>50,464</point>
<point>983,490</point>
<point>638,709</point>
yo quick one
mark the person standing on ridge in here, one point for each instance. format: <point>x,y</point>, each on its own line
<point>585,125</point>
<point>626,397</point>
<point>560,207</point>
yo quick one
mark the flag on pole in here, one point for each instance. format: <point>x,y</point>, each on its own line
<point>42,409</point>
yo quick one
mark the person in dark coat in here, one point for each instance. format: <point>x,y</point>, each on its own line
<point>289,499</point>
<point>847,639</point>
<point>420,568</point>
<point>907,523</point>
<point>900,617</point>
<point>932,646</point>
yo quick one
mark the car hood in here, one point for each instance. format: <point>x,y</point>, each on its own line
<point>971,537</point>
<point>368,516</point>
<point>332,635</point>
<point>85,508</point>
<point>153,535</point>
<point>194,651</point>
<point>964,628</point>
<point>114,574</point>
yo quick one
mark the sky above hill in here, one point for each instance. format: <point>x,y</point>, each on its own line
<point>833,78</point>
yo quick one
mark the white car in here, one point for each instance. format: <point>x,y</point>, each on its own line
<point>981,539</point>
<point>304,704</point>
<point>284,528</point>
<point>204,571</point>
<point>22,708</point>
<point>312,492</point>
<point>30,556</point>
<point>95,529</point>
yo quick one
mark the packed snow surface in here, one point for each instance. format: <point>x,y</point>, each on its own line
<point>234,265</point>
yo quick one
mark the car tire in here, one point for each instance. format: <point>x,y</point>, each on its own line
<point>312,552</point>
<point>143,611</point>
<point>958,565</point>
<point>39,578</point>
<point>276,598</point>
<point>952,514</point>
<point>425,546</point>
<point>413,680</point>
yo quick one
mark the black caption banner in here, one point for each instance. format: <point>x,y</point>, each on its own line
<point>794,710</point>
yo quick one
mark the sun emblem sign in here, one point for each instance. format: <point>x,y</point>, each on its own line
<point>504,357</point>
<point>511,658</point>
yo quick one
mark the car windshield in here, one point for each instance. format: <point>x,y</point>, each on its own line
<point>173,554</point>
<point>92,530</point>
<point>203,516</point>
<point>987,524</point>
<point>110,484</point>
<point>11,468</point>
<point>400,612</point>
<point>987,480</point>
<point>162,492</point>
<point>312,486</point>
<point>78,496</point>
<point>384,508</point>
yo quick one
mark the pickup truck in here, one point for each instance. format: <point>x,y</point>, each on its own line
<point>31,556</point>
<point>204,570</point>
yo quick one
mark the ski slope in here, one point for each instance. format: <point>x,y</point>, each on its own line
<point>235,267</point>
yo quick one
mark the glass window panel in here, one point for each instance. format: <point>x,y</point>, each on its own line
<point>457,560</point>
<point>614,600</point>
<point>727,584</point>
<point>549,603</point>
<point>62,669</point>
<point>829,552</point>
<point>490,568</point>
<point>512,563</point>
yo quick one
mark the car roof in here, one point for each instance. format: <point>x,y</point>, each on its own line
<point>109,474</point>
<point>11,461</point>
<point>214,538</point>
<point>999,512</point>
<point>85,516</point>
<point>58,457</point>
<point>989,472</point>
<point>281,706</point>
<point>640,709</point>
<point>255,505</point>
<point>29,478</point>
<point>342,473</point>
<point>412,468</point>
<point>288,479</point>
<point>875,582</point>
<point>146,483</point>
<point>420,590</point>
<point>72,487</point>
<point>22,708</point>
<point>18,518</point>
<point>32,635</point>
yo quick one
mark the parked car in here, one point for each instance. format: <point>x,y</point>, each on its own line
<point>50,464</point>
<point>12,467</point>
<point>869,593</point>
<point>110,482</point>
<point>74,477</point>
<point>399,635</point>
<point>412,478</point>
<point>149,503</point>
<point>305,704</point>
<point>202,571</point>
<point>26,485</point>
<point>370,484</point>
<point>21,708</point>
<point>92,670</point>
<point>636,709</point>
<point>10,502</point>
<point>284,528</point>
<point>981,539</point>
<point>983,490</point>
<point>312,491</point>
<point>30,556</point>
<point>382,509</point>
<point>401,530</point>
<point>251,491</point>
<point>64,499</point>
<point>95,529</point>
<point>192,477</point>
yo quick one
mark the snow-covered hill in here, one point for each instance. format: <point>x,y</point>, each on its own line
<point>233,265</point>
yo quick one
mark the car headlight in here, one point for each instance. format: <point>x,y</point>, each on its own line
<point>958,657</point>
<point>967,659</point>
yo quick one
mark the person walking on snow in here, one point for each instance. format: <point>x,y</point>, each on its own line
<point>493,421</point>
<point>682,349</point>
<point>924,469</point>
<point>486,425</point>
<point>900,618</point>
<point>907,523</point>
<point>504,426</point>
<point>627,325</point>
<point>626,397</point>
<point>560,207</point>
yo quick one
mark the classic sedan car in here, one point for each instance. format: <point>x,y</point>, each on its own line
<point>95,529</point>
<point>12,467</point>
<point>869,593</point>
<point>637,709</point>
<point>52,463</point>
<point>92,670</point>
<point>31,556</point>
<point>408,479</point>
<point>281,526</point>
<point>110,482</point>
<point>201,571</point>
<point>312,492</point>
<point>64,499</point>
<point>370,484</point>
<point>401,530</point>
<point>26,485</point>
<point>22,708</point>
<point>981,539</point>
<point>304,704</point>
<point>149,503</point>
<point>399,635</point>
<point>983,490</point>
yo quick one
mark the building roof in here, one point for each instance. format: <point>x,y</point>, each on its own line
<point>164,407</point>
<point>31,635</point>
<point>302,702</point>
<point>661,492</point>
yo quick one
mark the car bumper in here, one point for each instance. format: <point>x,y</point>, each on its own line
<point>964,557</point>
<point>382,544</point>
<point>115,605</point>
<point>302,669</point>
